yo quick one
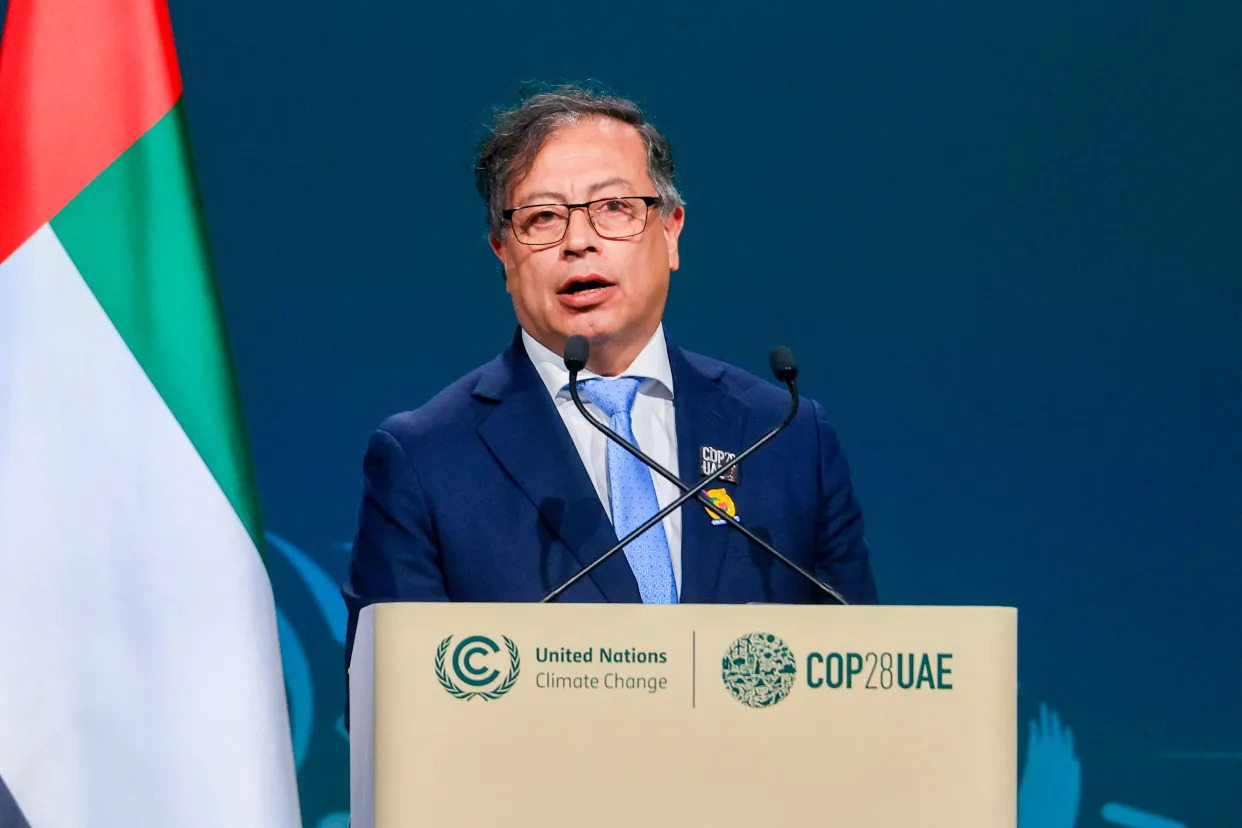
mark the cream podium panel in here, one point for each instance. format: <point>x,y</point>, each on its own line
<point>684,715</point>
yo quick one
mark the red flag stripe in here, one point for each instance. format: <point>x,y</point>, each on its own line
<point>79,83</point>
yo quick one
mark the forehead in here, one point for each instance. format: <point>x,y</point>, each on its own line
<point>584,153</point>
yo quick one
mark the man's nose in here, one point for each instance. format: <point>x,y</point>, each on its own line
<point>580,236</point>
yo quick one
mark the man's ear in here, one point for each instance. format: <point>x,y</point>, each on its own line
<point>672,232</point>
<point>498,247</point>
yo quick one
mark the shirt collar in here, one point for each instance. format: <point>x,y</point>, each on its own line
<point>651,362</point>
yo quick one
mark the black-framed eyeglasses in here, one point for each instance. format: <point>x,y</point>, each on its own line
<point>618,217</point>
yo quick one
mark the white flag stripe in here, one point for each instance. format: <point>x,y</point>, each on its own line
<point>138,640</point>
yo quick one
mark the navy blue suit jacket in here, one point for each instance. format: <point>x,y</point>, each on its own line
<point>480,495</point>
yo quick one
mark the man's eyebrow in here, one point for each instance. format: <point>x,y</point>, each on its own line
<point>543,197</point>
<point>549,197</point>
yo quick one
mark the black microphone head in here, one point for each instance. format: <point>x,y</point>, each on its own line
<point>784,367</point>
<point>577,351</point>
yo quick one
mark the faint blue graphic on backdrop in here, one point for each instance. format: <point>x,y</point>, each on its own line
<point>311,620</point>
<point>1051,786</point>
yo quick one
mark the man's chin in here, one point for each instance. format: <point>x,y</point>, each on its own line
<point>597,327</point>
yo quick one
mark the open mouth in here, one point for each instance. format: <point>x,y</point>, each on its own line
<point>584,284</point>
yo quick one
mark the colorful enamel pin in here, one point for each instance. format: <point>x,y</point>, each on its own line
<point>723,503</point>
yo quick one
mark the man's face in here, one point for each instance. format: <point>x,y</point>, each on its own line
<point>611,291</point>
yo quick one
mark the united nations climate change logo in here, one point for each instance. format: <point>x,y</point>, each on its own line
<point>758,669</point>
<point>472,665</point>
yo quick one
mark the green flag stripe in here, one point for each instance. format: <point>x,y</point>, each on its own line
<point>137,236</point>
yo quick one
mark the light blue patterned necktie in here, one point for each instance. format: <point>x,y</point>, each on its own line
<point>632,494</point>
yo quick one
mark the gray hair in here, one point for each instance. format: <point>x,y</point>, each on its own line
<point>516,136</point>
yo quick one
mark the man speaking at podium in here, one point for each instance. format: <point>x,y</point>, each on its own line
<point>499,489</point>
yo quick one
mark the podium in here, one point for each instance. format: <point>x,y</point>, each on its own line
<point>684,715</point>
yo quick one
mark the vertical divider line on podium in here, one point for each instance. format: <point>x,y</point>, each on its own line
<point>694,669</point>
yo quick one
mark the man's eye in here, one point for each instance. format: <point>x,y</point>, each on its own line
<point>543,217</point>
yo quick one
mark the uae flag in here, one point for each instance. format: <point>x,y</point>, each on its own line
<point>140,677</point>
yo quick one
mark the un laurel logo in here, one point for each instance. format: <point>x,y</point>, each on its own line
<point>759,670</point>
<point>471,666</point>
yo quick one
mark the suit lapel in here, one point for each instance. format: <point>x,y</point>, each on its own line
<point>525,433</point>
<point>706,415</point>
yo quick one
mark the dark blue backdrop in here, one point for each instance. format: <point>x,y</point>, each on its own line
<point>1001,238</point>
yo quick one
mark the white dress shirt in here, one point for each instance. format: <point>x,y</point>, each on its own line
<point>652,418</point>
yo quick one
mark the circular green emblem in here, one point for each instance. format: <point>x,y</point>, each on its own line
<point>758,669</point>
<point>471,665</point>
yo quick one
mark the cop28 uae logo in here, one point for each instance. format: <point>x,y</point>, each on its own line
<point>471,671</point>
<point>758,669</point>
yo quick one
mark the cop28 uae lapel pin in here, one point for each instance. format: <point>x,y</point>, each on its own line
<point>712,458</point>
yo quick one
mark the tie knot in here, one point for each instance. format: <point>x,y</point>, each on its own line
<point>613,396</point>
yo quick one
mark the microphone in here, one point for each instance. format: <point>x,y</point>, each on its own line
<point>577,352</point>
<point>784,368</point>
<point>781,361</point>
